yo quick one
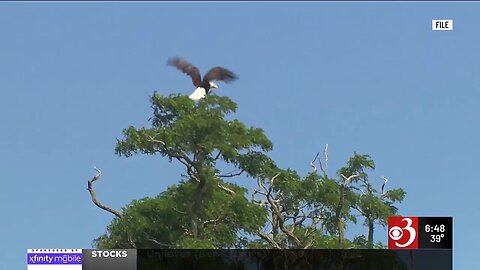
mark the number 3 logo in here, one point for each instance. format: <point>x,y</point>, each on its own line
<point>396,233</point>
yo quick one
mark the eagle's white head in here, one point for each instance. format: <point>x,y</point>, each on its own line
<point>213,85</point>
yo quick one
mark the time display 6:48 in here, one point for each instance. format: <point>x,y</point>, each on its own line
<point>436,228</point>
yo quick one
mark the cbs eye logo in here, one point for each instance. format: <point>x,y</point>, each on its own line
<point>402,233</point>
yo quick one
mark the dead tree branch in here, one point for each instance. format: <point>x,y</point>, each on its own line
<point>348,180</point>
<point>383,186</point>
<point>312,164</point>
<point>325,170</point>
<point>224,188</point>
<point>94,196</point>
<point>324,167</point>
<point>286,221</point>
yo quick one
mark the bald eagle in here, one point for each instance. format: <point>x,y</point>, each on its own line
<point>202,86</point>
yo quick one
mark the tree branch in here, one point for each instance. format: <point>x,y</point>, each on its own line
<point>181,157</point>
<point>324,168</point>
<point>347,180</point>
<point>383,185</point>
<point>94,196</point>
<point>268,239</point>
<point>231,174</point>
<point>312,164</point>
<point>218,155</point>
<point>276,208</point>
<point>231,192</point>
<point>156,241</point>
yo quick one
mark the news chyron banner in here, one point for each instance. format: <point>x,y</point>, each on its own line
<point>78,259</point>
<point>240,259</point>
<point>420,233</point>
<point>413,243</point>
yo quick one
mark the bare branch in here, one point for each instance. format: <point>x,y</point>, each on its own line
<point>254,199</point>
<point>194,177</point>
<point>347,180</point>
<point>289,232</point>
<point>312,164</point>
<point>231,175</point>
<point>156,241</point>
<point>262,185</point>
<point>279,220</point>
<point>231,192</point>
<point>268,239</point>
<point>97,176</point>
<point>325,152</point>
<point>152,139</point>
<point>322,167</point>
<point>273,205</point>
<point>274,178</point>
<point>359,189</point>
<point>302,219</point>
<point>383,185</point>
<point>218,155</point>
<point>276,207</point>
<point>256,191</point>
<point>94,196</point>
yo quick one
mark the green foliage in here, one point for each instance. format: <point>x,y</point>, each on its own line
<point>357,165</point>
<point>203,211</point>
<point>161,222</point>
<point>361,242</point>
<point>182,128</point>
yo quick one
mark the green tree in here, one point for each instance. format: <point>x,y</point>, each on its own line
<point>162,222</point>
<point>313,211</point>
<point>285,211</point>
<point>202,211</point>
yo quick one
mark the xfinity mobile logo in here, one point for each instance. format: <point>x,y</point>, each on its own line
<point>54,258</point>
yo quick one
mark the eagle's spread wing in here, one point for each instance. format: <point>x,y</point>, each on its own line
<point>220,74</point>
<point>188,69</point>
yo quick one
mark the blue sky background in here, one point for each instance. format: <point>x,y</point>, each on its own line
<point>366,77</point>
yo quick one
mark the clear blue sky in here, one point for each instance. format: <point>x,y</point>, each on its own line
<point>366,77</point>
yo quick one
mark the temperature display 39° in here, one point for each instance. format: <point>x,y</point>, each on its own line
<point>436,232</point>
